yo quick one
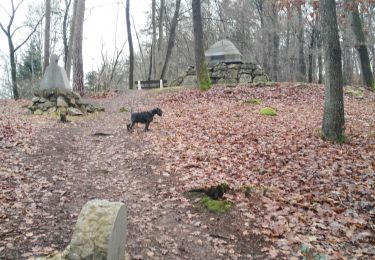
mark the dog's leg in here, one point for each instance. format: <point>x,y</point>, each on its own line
<point>146,126</point>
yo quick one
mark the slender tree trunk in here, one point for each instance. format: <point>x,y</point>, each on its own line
<point>311,54</point>
<point>200,63</point>
<point>13,68</point>
<point>130,41</point>
<point>47,31</point>
<point>333,118</point>
<point>68,64</point>
<point>153,43</point>
<point>161,20</point>
<point>65,31</point>
<point>347,57</point>
<point>171,39</point>
<point>275,43</point>
<point>301,52</point>
<point>78,84</point>
<point>361,46</point>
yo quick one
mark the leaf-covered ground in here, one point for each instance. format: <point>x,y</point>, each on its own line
<point>294,194</point>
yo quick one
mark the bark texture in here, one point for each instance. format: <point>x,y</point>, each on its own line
<point>78,84</point>
<point>47,31</point>
<point>130,41</point>
<point>200,63</point>
<point>171,39</point>
<point>357,28</point>
<point>333,118</point>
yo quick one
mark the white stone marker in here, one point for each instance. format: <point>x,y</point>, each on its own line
<point>139,85</point>
<point>161,83</point>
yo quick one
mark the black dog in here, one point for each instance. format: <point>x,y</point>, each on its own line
<point>144,118</point>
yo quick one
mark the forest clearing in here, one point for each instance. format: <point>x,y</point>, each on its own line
<point>292,193</point>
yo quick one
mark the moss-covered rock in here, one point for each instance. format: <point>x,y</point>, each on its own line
<point>218,206</point>
<point>124,109</point>
<point>268,111</point>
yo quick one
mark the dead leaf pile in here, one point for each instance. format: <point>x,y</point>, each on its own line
<point>303,191</point>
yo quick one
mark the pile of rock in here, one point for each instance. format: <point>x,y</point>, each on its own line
<point>226,73</point>
<point>57,100</point>
<point>55,94</point>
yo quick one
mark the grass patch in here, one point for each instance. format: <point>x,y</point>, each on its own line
<point>268,111</point>
<point>354,92</point>
<point>216,206</point>
<point>253,101</point>
<point>124,109</point>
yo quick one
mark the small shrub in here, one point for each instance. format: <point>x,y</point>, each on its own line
<point>268,111</point>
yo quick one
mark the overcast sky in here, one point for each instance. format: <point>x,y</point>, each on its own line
<point>102,19</point>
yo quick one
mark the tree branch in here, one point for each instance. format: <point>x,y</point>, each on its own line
<point>31,33</point>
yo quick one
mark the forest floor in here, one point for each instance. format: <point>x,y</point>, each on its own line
<point>293,194</point>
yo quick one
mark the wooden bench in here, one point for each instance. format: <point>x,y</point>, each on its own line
<point>150,84</point>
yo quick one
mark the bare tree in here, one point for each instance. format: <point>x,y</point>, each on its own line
<point>78,84</point>
<point>333,118</point>
<point>200,63</point>
<point>130,41</point>
<point>65,31</point>
<point>171,39</point>
<point>361,46</point>
<point>9,32</point>
<point>47,31</point>
<point>69,55</point>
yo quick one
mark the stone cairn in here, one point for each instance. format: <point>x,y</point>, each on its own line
<point>226,73</point>
<point>100,233</point>
<point>55,94</point>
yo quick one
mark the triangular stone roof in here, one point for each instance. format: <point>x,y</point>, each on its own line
<point>222,47</point>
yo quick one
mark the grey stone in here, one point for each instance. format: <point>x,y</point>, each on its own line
<point>74,111</point>
<point>54,76</point>
<point>260,78</point>
<point>60,102</point>
<point>51,110</point>
<point>100,231</point>
<point>190,81</point>
<point>35,99</point>
<point>245,78</point>
<point>38,112</point>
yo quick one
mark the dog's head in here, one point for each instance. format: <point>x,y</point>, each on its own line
<point>157,111</point>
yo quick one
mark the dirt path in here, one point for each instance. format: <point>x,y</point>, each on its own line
<point>71,164</point>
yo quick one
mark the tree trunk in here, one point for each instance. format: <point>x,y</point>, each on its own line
<point>47,31</point>
<point>203,77</point>
<point>171,39</point>
<point>13,68</point>
<point>275,42</point>
<point>65,31</point>
<point>333,118</point>
<point>301,52</point>
<point>367,76</point>
<point>130,41</point>
<point>153,43</point>
<point>78,84</point>
<point>68,64</point>
<point>347,57</point>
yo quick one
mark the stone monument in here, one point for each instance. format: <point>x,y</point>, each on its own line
<point>56,96</point>
<point>55,76</point>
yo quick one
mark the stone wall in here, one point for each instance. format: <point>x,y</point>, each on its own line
<point>224,73</point>
<point>57,100</point>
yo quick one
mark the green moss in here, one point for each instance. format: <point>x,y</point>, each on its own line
<point>204,79</point>
<point>253,101</point>
<point>355,92</point>
<point>268,111</point>
<point>124,109</point>
<point>218,206</point>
